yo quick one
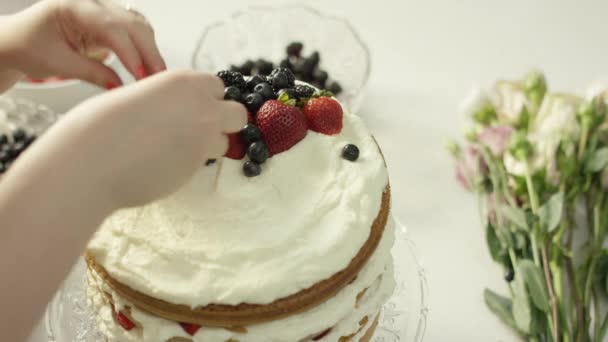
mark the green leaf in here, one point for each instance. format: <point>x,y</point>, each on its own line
<point>534,280</point>
<point>500,306</point>
<point>522,312</point>
<point>598,161</point>
<point>550,213</point>
<point>494,245</point>
<point>517,216</point>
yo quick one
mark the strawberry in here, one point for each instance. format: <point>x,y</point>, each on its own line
<point>124,321</point>
<point>282,126</point>
<point>190,328</point>
<point>236,146</point>
<point>324,115</point>
<point>321,335</point>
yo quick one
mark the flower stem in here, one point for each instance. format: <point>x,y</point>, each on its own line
<point>583,143</point>
<point>555,329</point>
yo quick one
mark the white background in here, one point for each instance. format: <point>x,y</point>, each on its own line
<point>426,56</point>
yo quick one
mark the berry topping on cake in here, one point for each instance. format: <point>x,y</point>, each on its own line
<point>350,152</point>
<point>320,76</point>
<point>282,126</point>
<point>250,133</point>
<point>304,91</point>
<point>252,169</point>
<point>335,87</point>
<point>254,81</point>
<point>253,102</point>
<point>265,90</point>
<point>258,152</point>
<point>124,321</point>
<point>324,115</point>
<point>190,328</point>
<point>236,147</point>
<point>282,78</point>
<point>232,78</point>
<point>321,335</point>
<point>232,93</point>
<point>287,94</point>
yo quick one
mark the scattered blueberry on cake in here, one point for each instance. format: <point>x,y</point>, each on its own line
<point>12,145</point>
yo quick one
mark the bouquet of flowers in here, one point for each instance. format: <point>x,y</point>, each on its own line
<point>538,162</point>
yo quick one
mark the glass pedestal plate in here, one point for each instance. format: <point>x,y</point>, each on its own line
<point>403,317</point>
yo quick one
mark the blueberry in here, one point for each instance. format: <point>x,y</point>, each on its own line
<point>305,69</point>
<point>247,67</point>
<point>253,102</point>
<point>350,152</point>
<point>3,139</point>
<point>509,275</point>
<point>280,81</point>
<point>265,90</point>
<point>291,93</point>
<point>304,91</point>
<point>291,78</point>
<point>258,152</point>
<point>5,156</point>
<point>19,135</point>
<point>335,88</point>
<point>232,93</point>
<point>294,49</point>
<point>252,169</point>
<point>320,76</point>
<point>315,58</point>
<point>263,66</point>
<point>210,162</point>
<point>250,133</point>
<point>255,80</point>
<point>235,68</point>
<point>286,63</point>
<point>2,168</point>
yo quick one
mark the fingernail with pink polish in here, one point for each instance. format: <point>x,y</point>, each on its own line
<point>141,72</point>
<point>111,85</point>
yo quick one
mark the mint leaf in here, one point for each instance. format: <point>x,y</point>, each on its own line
<point>534,280</point>
<point>517,216</point>
<point>598,161</point>
<point>550,213</point>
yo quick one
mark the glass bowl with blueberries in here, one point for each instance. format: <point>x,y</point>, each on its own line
<point>320,49</point>
<point>21,122</point>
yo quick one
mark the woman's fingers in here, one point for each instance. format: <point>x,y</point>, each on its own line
<point>233,116</point>
<point>90,70</point>
<point>142,35</point>
<point>118,40</point>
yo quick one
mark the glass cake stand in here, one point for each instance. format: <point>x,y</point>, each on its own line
<point>403,317</point>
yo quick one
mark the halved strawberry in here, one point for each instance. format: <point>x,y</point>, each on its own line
<point>236,146</point>
<point>324,115</point>
<point>321,335</point>
<point>124,321</point>
<point>282,125</point>
<point>190,328</point>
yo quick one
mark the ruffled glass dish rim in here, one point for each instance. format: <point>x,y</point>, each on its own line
<point>270,8</point>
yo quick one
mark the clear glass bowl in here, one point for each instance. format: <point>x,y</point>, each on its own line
<point>264,32</point>
<point>403,317</point>
<point>25,114</point>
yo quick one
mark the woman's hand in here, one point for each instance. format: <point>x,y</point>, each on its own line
<point>124,148</point>
<point>145,140</point>
<point>55,37</point>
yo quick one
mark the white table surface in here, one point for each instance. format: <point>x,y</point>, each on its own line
<point>426,56</point>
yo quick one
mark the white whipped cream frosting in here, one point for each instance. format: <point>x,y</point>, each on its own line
<point>342,312</point>
<point>231,239</point>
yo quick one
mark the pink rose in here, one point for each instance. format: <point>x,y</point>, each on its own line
<point>496,138</point>
<point>470,167</point>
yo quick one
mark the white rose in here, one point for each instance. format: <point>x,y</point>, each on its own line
<point>509,99</point>
<point>556,117</point>
<point>598,88</point>
<point>538,161</point>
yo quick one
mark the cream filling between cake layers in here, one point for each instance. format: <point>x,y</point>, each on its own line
<point>342,313</point>
<point>231,239</point>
